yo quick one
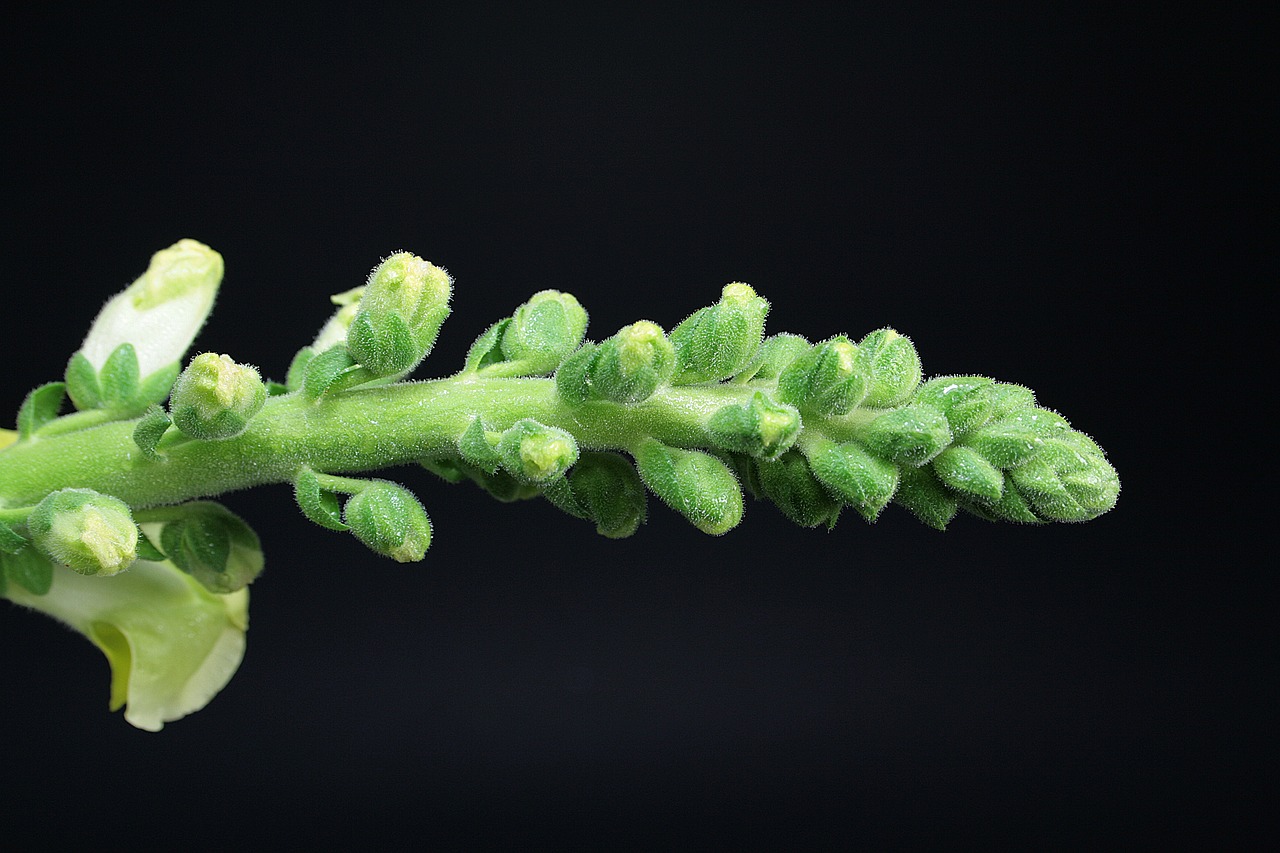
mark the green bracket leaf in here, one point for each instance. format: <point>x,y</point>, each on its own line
<point>319,505</point>
<point>323,370</point>
<point>40,407</point>
<point>147,434</point>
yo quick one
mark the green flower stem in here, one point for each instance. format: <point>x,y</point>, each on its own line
<point>75,422</point>
<point>354,432</point>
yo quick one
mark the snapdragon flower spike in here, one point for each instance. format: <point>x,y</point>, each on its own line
<point>135,347</point>
<point>630,366</point>
<point>215,397</point>
<point>695,484</point>
<point>403,306</point>
<point>390,521</point>
<point>172,644</point>
<point>92,533</point>
<point>720,340</point>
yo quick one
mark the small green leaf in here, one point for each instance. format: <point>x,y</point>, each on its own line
<point>213,545</point>
<point>487,347</point>
<point>324,369</point>
<point>147,549</point>
<point>967,471</point>
<point>150,429</point>
<point>572,383</point>
<point>40,407</point>
<point>10,541</point>
<point>911,435</point>
<point>154,389</point>
<point>319,505</point>
<point>475,448</point>
<point>926,498</point>
<point>82,383</point>
<point>297,373</point>
<point>29,569</point>
<point>119,378</point>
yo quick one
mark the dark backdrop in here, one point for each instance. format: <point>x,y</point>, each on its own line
<point>1053,195</point>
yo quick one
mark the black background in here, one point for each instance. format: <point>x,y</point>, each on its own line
<point>1054,195</point>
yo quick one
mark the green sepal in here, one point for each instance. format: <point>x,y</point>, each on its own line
<point>790,484</point>
<point>323,370</point>
<point>297,373</point>
<point>775,355</point>
<point>1041,485</point>
<point>534,453</point>
<point>968,472</point>
<point>212,544</point>
<point>825,380</point>
<point>153,389</point>
<point>853,475</point>
<point>761,428</point>
<point>446,469</point>
<point>1012,506</point>
<point>28,568</point>
<point>720,340</point>
<point>147,549</point>
<point>118,381</point>
<point>744,468</point>
<point>321,506</point>
<point>475,448</point>
<point>487,348</point>
<point>695,484</point>
<point>920,491</point>
<point>967,402</point>
<point>11,542</point>
<point>39,408</point>
<point>500,485</point>
<point>150,429</point>
<point>383,343</point>
<point>573,385</point>
<point>1007,398</point>
<point>82,383</point>
<point>542,333</point>
<point>911,435</point>
<point>630,366</point>
<point>891,365</point>
<point>390,521</point>
<point>603,488</point>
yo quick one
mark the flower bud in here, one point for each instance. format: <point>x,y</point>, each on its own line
<point>335,329</point>
<point>774,356</point>
<point>390,521</point>
<point>825,380</point>
<point>891,365</point>
<point>967,402</point>
<point>853,475</point>
<point>720,340</point>
<point>158,316</point>
<point>695,484</point>
<point>927,499</point>
<point>762,428</point>
<point>404,304</point>
<point>968,472</point>
<point>1069,480</point>
<point>215,397</point>
<point>603,488</point>
<point>789,483</point>
<point>632,364</point>
<point>212,544</point>
<point>92,533</point>
<point>911,435</point>
<point>543,332</point>
<point>534,453</point>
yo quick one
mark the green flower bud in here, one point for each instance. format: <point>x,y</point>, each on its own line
<point>825,380</point>
<point>603,488</point>
<point>1069,480</point>
<point>209,542</point>
<point>789,483</point>
<point>403,306</point>
<point>92,533</point>
<point>158,316</point>
<point>215,397</point>
<point>573,376</point>
<point>968,472</point>
<point>695,484</point>
<point>632,364</point>
<point>891,365</point>
<point>720,340</point>
<point>1007,398</point>
<point>911,435</point>
<point>927,499</point>
<point>853,475</point>
<point>533,453</point>
<point>390,521</point>
<point>543,332</point>
<point>762,428</point>
<point>967,401</point>
<point>774,356</point>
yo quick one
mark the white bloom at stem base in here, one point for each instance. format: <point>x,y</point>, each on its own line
<point>161,312</point>
<point>172,644</point>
